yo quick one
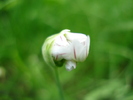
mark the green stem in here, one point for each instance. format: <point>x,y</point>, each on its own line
<point>58,84</point>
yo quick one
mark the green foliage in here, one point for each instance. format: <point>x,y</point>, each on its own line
<point>105,75</point>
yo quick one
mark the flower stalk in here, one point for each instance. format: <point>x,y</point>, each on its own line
<point>58,84</point>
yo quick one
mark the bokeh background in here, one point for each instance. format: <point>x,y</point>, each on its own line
<point>107,73</point>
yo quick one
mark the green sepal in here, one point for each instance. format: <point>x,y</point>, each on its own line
<point>59,63</point>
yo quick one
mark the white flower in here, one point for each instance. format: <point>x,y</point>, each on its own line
<point>66,48</point>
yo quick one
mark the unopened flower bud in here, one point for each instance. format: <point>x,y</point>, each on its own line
<point>66,48</point>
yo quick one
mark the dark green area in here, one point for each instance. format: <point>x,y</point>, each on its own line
<point>107,73</point>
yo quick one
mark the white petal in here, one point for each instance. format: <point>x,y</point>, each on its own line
<point>59,51</point>
<point>76,36</point>
<point>70,65</point>
<point>61,40</point>
<point>65,31</point>
<point>84,50</point>
<point>87,44</point>
<point>80,49</point>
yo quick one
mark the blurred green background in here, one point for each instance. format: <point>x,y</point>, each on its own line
<point>107,73</point>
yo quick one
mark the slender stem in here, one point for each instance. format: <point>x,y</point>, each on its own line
<point>58,84</point>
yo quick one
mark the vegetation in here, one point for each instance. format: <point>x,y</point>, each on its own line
<point>107,73</point>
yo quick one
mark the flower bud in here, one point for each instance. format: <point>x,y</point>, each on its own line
<point>66,48</point>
